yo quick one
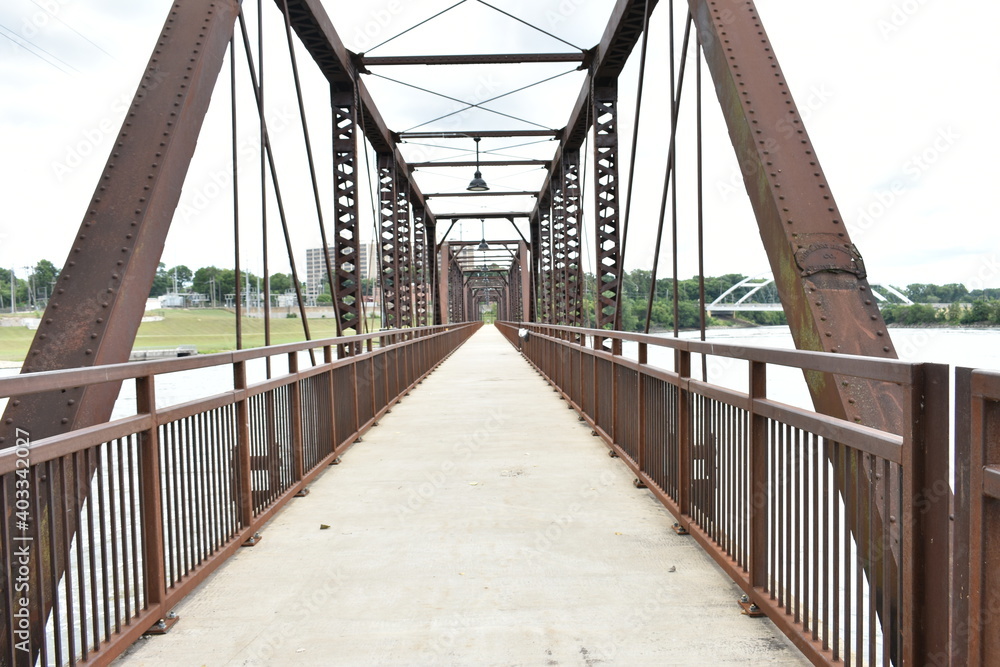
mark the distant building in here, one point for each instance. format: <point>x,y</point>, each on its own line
<point>316,266</point>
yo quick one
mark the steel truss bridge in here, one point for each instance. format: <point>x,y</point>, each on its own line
<point>121,532</point>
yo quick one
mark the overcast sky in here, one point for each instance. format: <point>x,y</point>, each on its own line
<point>899,98</point>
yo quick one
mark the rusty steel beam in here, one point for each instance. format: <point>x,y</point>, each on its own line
<point>558,240</point>
<point>99,299</point>
<point>485,215</point>
<point>606,202</point>
<point>493,193</point>
<point>315,30</point>
<point>403,136</point>
<point>100,295</point>
<point>620,37</point>
<point>347,270</point>
<point>388,250</point>
<point>818,271</point>
<point>480,59</point>
<point>404,254</point>
<point>573,230</point>
<point>420,268</point>
<point>473,163</point>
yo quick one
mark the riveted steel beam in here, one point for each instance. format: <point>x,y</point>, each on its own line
<point>404,254</point>
<point>100,295</point>
<point>573,230</point>
<point>388,250</point>
<point>485,164</point>
<point>606,204</point>
<point>347,253</point>
<point>473,59</point>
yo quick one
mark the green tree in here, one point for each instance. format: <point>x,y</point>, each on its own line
<point>281,283</point>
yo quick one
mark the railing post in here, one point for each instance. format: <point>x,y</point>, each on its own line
<point>616,351</point>
<point>685,472</point>
<point>242,461</point>
<point>295,408</point>
<point>962,552</point>
<point>331,388</point>
<point>641,394</point>
<point>926,510</point>
<point>758,478</point>
<point>984,522</point>
<point>154,558</point>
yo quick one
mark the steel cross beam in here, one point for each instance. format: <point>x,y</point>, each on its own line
<point>619,39</point>
<point>608,244</point>
<point>473,163</point>
<point>480,59</point>
<point>347,253</point>
<point>403,136</point>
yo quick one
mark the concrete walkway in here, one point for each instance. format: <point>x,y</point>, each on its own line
<point>478,524</point>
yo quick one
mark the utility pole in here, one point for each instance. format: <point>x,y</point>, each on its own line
<point>13,294</point>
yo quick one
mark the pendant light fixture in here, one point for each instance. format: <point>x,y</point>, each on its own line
<point>483,245</point>
<point>477,184</point>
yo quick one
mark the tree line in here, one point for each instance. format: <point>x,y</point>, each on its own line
<point>951,303</point>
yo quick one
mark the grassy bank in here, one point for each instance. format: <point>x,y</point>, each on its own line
<point>206,329</point>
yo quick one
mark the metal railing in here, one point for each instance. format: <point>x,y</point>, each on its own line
<point>157,500</point>
<point>832,529</point>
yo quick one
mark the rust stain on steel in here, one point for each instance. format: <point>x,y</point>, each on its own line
<point>100,295</point>
<point>99,298</point>
<point>818,270</point>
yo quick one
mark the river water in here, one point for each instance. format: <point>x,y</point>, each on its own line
<point>974,348</point>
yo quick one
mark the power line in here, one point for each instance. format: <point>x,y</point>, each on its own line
<point>56,17</point>
<point>34,48</point>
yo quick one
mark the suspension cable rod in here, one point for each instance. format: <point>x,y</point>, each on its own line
<point>675,114</point>
<point>469,105</point>
<point>492,99</point>
<point>414,27</point>
<point>530,25</point>
<point>631,168</point>
<point>312,166</point>
<point>258,94</point>
<point>236,194</point>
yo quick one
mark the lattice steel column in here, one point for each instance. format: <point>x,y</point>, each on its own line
<point>347,270</point>
<point>456,290</point>
<point>606,220</point>
<point>421,267</point>
<point>404,253</point>
<point>558,308</point>
<point>388,249</point>
<point>545,260</point>
<point>573,226</point>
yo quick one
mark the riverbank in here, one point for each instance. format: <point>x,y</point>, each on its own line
<point>208,330</point>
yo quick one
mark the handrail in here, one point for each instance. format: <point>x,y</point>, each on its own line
<point>773,492</point>
<point>154,503</point>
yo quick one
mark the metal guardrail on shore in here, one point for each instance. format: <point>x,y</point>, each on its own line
<point>838,532</point>
<point>155,502</point>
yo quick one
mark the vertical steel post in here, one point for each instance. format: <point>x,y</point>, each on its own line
<point>347,254</point>
<point>606,220</point>
<point>388,240</point>
<point>404,253</point>
<point>573,222</point>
